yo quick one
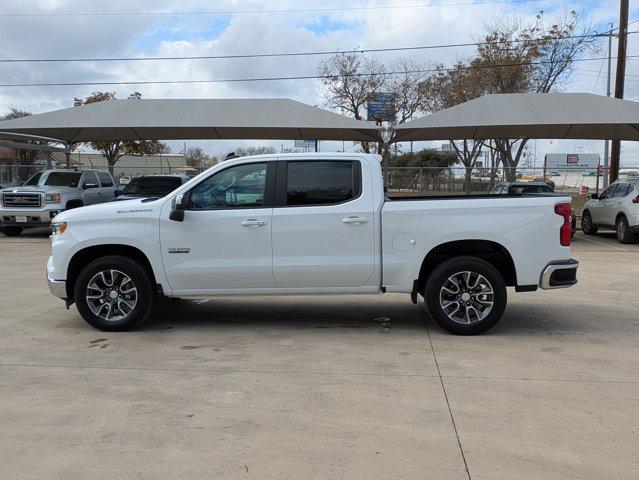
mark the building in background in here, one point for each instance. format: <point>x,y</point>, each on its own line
<point>130,165</point>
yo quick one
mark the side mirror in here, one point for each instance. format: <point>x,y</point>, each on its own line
<point>178,206</point>
<point>117,192</point>
<point>594,196</point>
<point>90,185</point>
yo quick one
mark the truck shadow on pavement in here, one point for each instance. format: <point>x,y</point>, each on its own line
<point>298,312</point>
<point>361,313</point>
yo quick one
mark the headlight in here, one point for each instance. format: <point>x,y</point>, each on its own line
<point>58,228</point>
<point>52,198</point>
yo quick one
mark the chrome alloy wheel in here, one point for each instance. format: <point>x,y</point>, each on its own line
<point>111,295</point>
<point>466,297</point>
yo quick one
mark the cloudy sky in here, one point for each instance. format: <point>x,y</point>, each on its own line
<point>136,28</point>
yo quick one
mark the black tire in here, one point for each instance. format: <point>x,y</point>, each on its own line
<point>138,277</point>
<point>586,224</point>
<point>436,295</point>
<point>12,231</point>
<point>624,235</point>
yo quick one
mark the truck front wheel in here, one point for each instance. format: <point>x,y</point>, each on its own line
<point>465,295</point>
<point>12,231</point>
<point>113,293</point>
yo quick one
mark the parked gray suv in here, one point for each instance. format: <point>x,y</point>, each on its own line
<point>50,192</point>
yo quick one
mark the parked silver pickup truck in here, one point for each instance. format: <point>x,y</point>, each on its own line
<point>50,192</point>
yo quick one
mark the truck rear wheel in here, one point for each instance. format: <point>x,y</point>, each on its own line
<point>113,293</point>
<point>12,231</point>
<point>465,295</point>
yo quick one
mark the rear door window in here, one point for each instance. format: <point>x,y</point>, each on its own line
<point>90,180</point>
<point>105,179</point>
<point>321,182</point>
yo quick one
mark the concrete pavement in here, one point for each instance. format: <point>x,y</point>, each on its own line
<point>323,387</point>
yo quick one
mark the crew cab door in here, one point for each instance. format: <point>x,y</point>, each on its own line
<point>90,188</point>
<point>323,224</point>
<point>224,242</point>
<point>107,188</point>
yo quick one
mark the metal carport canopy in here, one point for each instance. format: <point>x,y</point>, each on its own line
<point>528,115</point>
<point>181,119</point>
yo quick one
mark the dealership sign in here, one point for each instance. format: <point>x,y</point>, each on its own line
<point>381,108</point>
<point>572,161</point>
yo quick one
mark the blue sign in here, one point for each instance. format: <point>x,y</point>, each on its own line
<point>381,108</point>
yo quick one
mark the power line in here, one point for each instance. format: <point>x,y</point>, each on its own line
<point>246,12</point>
<point>271,79</point>
<point>281,54</point>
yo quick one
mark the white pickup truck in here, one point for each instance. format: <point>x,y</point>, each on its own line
<point>309,224</point>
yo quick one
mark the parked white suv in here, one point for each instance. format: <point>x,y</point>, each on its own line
<point>617,207</point>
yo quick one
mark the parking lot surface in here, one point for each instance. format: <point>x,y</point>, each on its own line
<point>323,387</point>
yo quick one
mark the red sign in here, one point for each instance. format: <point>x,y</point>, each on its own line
<point>572,159</point>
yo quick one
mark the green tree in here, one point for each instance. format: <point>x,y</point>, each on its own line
<point>248,151</point>
<point>420,170</point>
<point>195,157</point>
<point>114,150</point>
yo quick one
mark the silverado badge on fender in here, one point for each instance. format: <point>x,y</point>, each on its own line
<point>179,250</point>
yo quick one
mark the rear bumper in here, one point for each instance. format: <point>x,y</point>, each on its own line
<point>559,274</point>
<point>57,288</point>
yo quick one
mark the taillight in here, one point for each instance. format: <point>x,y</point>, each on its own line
<point>636,199</point>
<point>565,232</point>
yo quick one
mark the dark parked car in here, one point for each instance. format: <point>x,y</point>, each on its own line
<point>151,186</point>
<point>520,188</point>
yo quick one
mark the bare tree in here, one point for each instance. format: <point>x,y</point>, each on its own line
<point>408,97</point>
<point>447,87</point>
<point>350,80</point>
<point>516,58</point>
<point>114,150</point>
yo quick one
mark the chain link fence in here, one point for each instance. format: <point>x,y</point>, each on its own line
<point>427,181</point>
<point>400,181</point>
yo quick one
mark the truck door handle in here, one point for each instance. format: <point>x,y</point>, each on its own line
<point>253,222</point>
<point>355,220</point>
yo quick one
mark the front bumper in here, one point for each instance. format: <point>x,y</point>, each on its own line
<point>57,288</point>
<point>34,218</point>
<point>559,274</point>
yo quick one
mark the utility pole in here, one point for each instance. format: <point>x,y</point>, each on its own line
<point>619,82</point>
<point>607,142</point>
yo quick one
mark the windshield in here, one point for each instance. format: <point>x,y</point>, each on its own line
<point>55,179</point>
<point>151,186</point>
